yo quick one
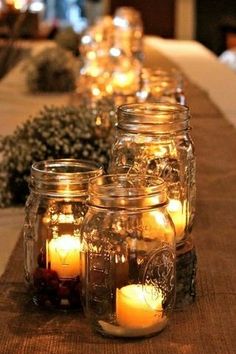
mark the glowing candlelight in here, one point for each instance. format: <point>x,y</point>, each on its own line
<point>63,255</point>
<point>18,4</point>
<point>139,306</point>
<point>155,227</point>
<point>177,213</point>
<point>124,80</point>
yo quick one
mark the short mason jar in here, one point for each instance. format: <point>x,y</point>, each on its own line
<point>161,86</point>
<point>128,256</point>
<point>54,212</point>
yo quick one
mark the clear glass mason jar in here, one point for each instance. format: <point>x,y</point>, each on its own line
<point>54,212</point>
<point>128,32</point>
<point>161,86</point>
<point>128,256</point>
<point>154,138</point>
<point>94,76</point>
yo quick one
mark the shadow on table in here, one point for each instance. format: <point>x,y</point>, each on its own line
<point>27,320</point>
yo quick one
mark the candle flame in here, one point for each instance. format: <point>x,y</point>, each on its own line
<point>124,79</point>
<point>96,91</point>
<point>174,205</point>
<point>64,245</point>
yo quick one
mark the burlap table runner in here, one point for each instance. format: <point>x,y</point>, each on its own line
<point>207,326</point>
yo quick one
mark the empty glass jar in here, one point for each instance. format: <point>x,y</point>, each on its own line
<point>55,210</point>
<point>128,256</point>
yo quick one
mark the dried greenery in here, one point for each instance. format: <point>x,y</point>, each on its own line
<point>52,70</point>
<point>68,132</point>
<point>68,39</point>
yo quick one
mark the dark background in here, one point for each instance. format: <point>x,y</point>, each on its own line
<point>216,24</point>
<point>215,20</point>
<point>157,15</point>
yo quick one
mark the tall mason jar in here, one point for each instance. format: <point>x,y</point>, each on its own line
<point>128,256</point>
<point>154,139</point>
<point>54,212</point>
<point>128,32</point>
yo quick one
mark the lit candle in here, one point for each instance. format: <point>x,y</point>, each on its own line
<point>124,81</point>
<point>139,306</point>
<point>177,213</point>
<point>63,255</point>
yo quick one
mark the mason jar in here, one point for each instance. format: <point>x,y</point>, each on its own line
<point>154,139</point>
<point>128,32</point>
<point>161,86</point>
<point>54,212</point>
<point>125,73</point>
<point>94,76</point>
<point>128,256</point>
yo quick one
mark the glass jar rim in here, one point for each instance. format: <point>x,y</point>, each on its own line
<point>161,117</point>
<point>127,191</point>
<point>63,176</point>
<point>159,72</point>
<point>54,167</point>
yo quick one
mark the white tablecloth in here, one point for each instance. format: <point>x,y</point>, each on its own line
<point>203,68</point>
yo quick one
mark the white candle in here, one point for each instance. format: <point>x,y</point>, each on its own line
<point>139,306</point>
<point>63,255</point>
<point>177,213</point>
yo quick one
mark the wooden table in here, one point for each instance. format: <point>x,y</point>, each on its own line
<point>206,327</point>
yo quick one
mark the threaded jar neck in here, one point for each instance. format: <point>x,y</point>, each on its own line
<point>126,191</point>
<point>63,177</point>
<point>155,118</point>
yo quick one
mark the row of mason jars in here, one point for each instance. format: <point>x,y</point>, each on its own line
<point>123,31</point>
<point>112,58</point>
<point>109,241</point>
<point>130,83</point>
<point>111,52</point>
